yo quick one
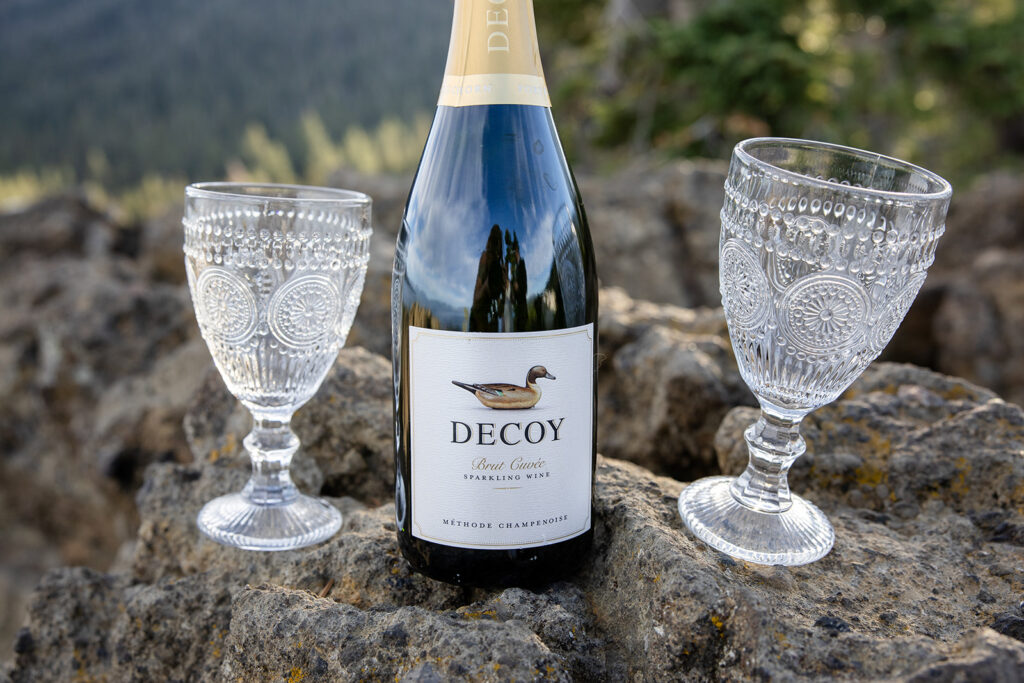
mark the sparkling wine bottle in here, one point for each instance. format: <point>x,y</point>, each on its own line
<point>494,322</point>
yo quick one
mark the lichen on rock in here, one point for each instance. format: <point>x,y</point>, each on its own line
<point>924,581</point>
<point>921,474</point>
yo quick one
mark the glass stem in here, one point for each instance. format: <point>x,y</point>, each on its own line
<point>774,443</point>
<point>271,445</point>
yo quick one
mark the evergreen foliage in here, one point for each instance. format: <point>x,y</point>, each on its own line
<point>937,81</point>
<point>181,86</point>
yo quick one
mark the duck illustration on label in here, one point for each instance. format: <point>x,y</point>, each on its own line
<point>501,396</point>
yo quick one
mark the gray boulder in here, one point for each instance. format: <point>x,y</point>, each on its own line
<point>667,380</point>
<point>96,370</point>
<point>968,319</point>
<point>900,438</point>
<point>345,428</point>
<point>923,583</point>
<point>655,229</point>
<point>100,359</point>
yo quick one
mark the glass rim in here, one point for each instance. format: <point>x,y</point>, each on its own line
<point>944,191</point>
<point>275,192</point>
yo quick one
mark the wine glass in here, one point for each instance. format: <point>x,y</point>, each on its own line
<point>822,251</point>
<point>276,272</point>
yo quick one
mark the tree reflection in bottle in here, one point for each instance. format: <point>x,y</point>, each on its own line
<point>494,323</point>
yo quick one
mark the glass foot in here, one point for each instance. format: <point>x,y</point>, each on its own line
<point>800,535</point>
<point>234,520</point>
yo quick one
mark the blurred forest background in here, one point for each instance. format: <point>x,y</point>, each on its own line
<point>130,99</point>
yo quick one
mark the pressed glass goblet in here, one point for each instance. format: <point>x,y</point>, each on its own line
<point>276,272</point>
<point>822,251</point>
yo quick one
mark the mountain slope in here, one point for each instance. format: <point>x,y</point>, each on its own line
<point>168,86</point>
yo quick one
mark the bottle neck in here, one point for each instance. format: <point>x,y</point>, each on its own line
<point>494,57</point>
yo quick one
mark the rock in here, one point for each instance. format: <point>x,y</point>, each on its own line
<point>920,473</point>
<point>666,380</point>
<point>63,224</point>
<point>1010,624</point>
<point>138,420</point>
<point>562,620</point>
<point>341,642</point>
<point>652,603</point>
<point>906,594</point>
<point>834,625</point>
<point>159,249</point>
<point>662,398</point>
<point>930,388</point>
<point>981,656</point>
<point>99,355</point>
<point>623,319</point>
<point>372,328</point>
<point>693,611</point>
<point>996,202</point>
<point>669,364</point>
<point>96,374</point>
<point>979,321</point>
<point>968,319</point>
<point>893,447</point>
<point>655,230</point>
<point>124,631</point>
<point>363,561</point>
<point>346,428</point>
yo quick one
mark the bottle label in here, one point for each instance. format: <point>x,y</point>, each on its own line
<point>494,58</point>
<point>502,436</point>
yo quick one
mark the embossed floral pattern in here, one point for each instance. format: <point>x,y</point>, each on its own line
<point>744,286</point>
<point>267,265</point>
<point>304,310</point>
<point>891,318</point>
<point>226,307</point>
<point>837,268</point>
<point>275,287</point>
<point>782,272</point>
<point>825,312</point>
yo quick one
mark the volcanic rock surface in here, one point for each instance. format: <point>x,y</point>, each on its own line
<point>919,472</point>
<point>922,476</point>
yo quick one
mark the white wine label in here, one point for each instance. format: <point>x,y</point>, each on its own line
<point>502,436</point>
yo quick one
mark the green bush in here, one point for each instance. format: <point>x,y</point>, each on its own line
<point>939,81</point>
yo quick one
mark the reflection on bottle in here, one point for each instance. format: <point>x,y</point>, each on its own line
<point>500,301</point>
<point>548,310</point>
<point>491,282</point>
<point>517,280</point>
<point>569,268</point>
<point>421,316</point>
